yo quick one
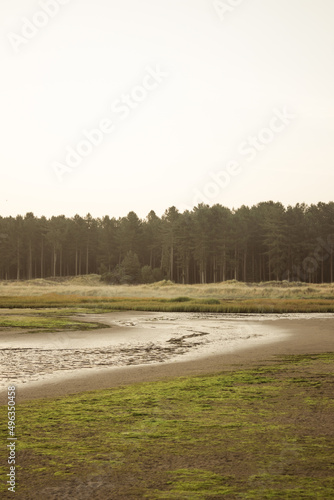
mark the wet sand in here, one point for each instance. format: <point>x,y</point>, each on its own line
<point>145,347</point>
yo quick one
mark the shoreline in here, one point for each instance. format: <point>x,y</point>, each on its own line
<point>302,336</point>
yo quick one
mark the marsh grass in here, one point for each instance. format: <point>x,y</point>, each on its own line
<point>89,293</point>
<point>36,320</point>
<point>249,434</point>
<point>29,323</point>
<point>91,286</point>
<point>182,304</point>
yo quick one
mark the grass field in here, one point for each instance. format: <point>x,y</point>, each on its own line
<point>90,285</point>
<point>88,293</point>
<point>264,433</point>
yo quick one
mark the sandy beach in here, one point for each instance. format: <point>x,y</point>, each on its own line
<point>143,347</point>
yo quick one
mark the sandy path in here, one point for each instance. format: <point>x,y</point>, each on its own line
<point>140,347</point>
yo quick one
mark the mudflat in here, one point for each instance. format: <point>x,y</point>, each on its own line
<point>145,347</point>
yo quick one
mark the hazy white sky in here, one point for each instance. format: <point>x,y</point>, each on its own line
<point>232,73</point>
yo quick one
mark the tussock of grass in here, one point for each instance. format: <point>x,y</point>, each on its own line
<point>246,434</point>
<point>180,299</point>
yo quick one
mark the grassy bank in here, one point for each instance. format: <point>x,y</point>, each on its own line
<point>87,293</point>
<point>34,320</point>
<point>254,433</point>
<point>78,303</point>
<point>27,323</point>
<point>91,286</point>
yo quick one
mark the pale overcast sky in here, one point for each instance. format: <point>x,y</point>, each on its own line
<point>222,104</point>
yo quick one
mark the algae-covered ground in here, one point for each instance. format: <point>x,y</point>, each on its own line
<point>45,320</point>
<point>264,432</point>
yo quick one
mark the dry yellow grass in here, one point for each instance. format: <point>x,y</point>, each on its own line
<point>92,286</point>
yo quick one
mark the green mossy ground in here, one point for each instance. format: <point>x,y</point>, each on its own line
<point>44,320</point>
<point>260,433</point>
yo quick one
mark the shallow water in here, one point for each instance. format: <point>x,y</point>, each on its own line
<point>135,338</point>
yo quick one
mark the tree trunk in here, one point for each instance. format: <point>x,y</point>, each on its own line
<point>54,260</point>
<point>202,272</point>
<point>18,260</point>
<point>322,266</point>
<point>215,269</point>
<point>245,266</point>
<point>61,261</point>
<point>30,261</point>
<point>172,262</point>
<point>224,264</point>
<point>162,259</point>
<point>76,260</point>
<point>42,258</point>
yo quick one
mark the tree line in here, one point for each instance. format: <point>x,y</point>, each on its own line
<point>264,242</point>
